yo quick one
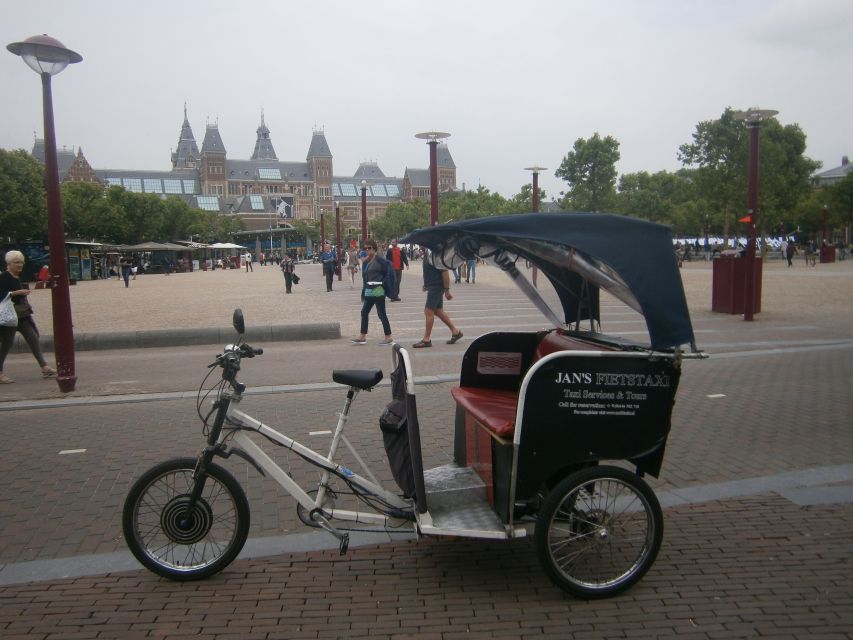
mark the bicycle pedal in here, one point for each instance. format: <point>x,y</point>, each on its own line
<point>344,544</point>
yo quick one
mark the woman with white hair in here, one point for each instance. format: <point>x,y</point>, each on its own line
<point>10,283</point>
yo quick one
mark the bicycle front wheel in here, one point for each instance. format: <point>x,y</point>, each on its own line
<point>177,542</point>
<point>599,532</point>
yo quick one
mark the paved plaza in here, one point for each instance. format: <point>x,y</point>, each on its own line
<point>757,482</point>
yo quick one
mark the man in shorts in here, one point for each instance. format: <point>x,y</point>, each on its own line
<point>437,287</point>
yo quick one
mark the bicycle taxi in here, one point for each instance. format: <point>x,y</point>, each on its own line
<point>554,429</point>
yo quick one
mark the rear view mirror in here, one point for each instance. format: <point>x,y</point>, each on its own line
<point>238,322</point>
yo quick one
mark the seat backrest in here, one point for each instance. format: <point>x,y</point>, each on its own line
<point>554,341</point>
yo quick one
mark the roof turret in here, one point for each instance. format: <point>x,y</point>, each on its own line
<point>212,140</point>
<point>443,157</point>
<point>319,147</point>
<point>263,145</point>
<point>368,170</point>
<point>187,154</point>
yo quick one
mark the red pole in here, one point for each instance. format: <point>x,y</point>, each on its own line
<point>338,239</point>
<point>752,210</point>
<point>63,332</point>
<point>433,182</point>
<point>363,212</point>
<point>535,191</point>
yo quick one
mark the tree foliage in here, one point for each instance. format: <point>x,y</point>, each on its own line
<point>23,205</point>
<point>719,154</point>
<point>590,171</point>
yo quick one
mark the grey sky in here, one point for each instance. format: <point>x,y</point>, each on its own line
<point>515,83</point>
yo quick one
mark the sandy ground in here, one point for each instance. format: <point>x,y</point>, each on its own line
<point>206,299</point>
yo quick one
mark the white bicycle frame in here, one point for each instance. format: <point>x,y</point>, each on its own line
<point>369,486</point>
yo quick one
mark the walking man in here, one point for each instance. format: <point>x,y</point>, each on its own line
<point>288,266</point>
<point>329,258</point>
<point>397,257</point>
<point>437,287</point>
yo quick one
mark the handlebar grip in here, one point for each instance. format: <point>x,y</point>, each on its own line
<point>248,351</point>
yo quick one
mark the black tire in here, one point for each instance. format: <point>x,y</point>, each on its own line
<point>160,537</point>
<point>598,532</point>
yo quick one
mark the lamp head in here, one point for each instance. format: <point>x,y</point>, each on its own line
<point>44,54</point>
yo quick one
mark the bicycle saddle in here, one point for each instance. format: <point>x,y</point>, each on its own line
<point>364,379</point>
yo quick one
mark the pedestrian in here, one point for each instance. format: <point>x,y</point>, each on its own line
<point>379,282</point>
<point>248,259</point>
<point>471,276</point>
<point>397,257</point>
<point>437,287</point>
<point>353,263</point>
<point>11,284</point>
<point>790,251</point>
<point>329,259</point>
<point>125,268</point>
<point>288,267</point>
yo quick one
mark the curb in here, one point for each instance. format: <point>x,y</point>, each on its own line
<point>188,337</point>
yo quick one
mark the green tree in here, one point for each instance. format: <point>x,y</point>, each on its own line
<point>720,152</point>
<point>463,205</point>
<point>841,198</point>
<point>89,215</point>
<point>23,202</point>
<point>590,171</point>
<point>400,218</point>
<point>664,197</point>
<point>308,229</point>
<point>522,202</point>
<point>180,220</point>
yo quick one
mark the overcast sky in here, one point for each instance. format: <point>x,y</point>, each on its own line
<point>515,83</point>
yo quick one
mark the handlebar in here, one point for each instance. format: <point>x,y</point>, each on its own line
<point>229,360</point>
<point>247,351</point>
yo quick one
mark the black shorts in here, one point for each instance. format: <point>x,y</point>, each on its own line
<point>435,298</point>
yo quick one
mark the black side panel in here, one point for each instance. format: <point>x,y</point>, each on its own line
<point>582,409</point>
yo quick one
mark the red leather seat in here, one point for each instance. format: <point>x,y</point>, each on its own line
<point>491,408</point>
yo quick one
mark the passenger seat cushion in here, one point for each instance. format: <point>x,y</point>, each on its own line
<point>493,409</point>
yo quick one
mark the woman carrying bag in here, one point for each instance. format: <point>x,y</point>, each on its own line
<point>10,283</point>
<point>379,283</point>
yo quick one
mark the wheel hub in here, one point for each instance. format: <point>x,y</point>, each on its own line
<point>184,525</point>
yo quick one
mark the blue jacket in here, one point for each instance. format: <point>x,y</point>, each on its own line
<point>389,280</point>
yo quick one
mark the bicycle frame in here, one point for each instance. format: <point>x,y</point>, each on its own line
<point>246,448</point>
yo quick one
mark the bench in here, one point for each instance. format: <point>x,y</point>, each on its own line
<point>494,410</point>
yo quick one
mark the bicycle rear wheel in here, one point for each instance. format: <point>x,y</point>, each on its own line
<point>174,542</point>
<point>599,532</point>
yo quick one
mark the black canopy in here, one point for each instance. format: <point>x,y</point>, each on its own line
<point>579,253</point>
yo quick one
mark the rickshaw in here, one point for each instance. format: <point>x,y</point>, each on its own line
<point>554,429</point>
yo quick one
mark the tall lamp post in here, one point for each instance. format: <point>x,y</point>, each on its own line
<point>535,204</point>
<point>338,238</point>
<point>363,210</point>
<point>753,118</point>
<point>322,227</point>
<point>47,57</point>
<point>432,138</point>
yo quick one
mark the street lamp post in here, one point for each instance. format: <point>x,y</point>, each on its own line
<point>536,169</point>
<point>432,138</point>
<point>753,118</point>
<point>338,238</point>
<point>363,210</point>
<point>535,204</point>
<point>322,227</point>
<point>47,57</point>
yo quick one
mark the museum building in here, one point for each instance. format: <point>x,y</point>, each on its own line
<point>264,191</point>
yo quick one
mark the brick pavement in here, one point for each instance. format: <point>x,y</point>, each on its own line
<point>757,565</point>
